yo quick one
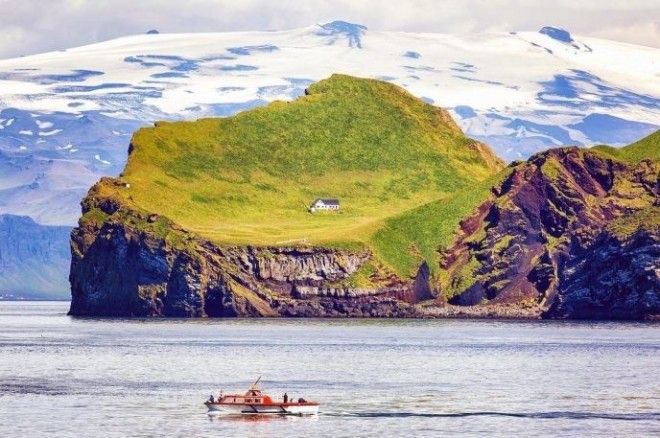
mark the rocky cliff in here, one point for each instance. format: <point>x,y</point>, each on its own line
<point>570,233</point>
<point>127,263</point>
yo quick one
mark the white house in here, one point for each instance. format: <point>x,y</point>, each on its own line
<point>324,204</point>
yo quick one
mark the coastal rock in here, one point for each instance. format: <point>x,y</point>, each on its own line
<point>548,238</point>
<point>613,278</point>
<point>121,267</point>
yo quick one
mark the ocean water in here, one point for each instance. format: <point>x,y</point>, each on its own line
<point>70,377</point>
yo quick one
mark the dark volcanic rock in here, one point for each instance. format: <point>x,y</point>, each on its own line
<point>543,240</point>
<point>613,278</point>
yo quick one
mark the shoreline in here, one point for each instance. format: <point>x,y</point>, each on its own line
<point>447,312</point>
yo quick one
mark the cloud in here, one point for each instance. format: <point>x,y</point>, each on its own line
<point>33,26</point>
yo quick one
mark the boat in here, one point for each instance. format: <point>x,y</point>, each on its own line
<point>255,401</point>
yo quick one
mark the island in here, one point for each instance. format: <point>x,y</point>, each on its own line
<point>211,218</point>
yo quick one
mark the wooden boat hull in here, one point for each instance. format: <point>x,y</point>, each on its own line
<point>275,408</point>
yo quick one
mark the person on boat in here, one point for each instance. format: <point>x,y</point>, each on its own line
<point>211,399</point>
<point>286,397</point>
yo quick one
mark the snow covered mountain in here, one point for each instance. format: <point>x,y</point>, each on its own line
<point>66,117</point>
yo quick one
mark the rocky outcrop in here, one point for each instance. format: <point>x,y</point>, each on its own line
<point>613,278</point>
<point>542,240</point>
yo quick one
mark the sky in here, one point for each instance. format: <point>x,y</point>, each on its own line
<point>34,26</point>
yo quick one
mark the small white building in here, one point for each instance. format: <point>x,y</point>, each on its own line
<point>324,204</point>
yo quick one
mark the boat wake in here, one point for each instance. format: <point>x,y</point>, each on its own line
<point>642,416</point>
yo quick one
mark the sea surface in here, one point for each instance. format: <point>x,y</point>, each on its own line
<point>71,377</point>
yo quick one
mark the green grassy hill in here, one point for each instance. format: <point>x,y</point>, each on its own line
<point>248,179</point>
<point>646,148</point>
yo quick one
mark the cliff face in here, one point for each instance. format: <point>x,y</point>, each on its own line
<point>615,277</point>
<point>550,238</point>
<point>121,266</point>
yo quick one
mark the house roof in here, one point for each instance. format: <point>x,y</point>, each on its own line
<point>327,201</point>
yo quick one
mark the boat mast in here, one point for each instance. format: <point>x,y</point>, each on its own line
<point>254,385</point>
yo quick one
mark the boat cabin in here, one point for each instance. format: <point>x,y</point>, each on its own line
<point>252,396</point>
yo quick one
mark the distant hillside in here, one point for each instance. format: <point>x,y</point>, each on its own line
<point>646,148</point>
<point>34,259</point>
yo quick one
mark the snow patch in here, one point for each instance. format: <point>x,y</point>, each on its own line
<point>49,133</point>
<point>97,157</point>
<point>44,125</point>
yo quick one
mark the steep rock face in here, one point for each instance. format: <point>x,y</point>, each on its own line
<point>297,264</point>
<point>613,278</point>
<point>122,267</point>
<point>539,240</point>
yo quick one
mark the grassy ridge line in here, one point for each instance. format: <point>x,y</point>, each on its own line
<point>646,148</point>
<point>419,234</point>
<point>432,226</point>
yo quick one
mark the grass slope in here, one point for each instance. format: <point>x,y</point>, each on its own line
<point>428,228</point>
<point>646,219</point>
<point>418,234</point>
<point>646,148</point>
<point>248,179</point>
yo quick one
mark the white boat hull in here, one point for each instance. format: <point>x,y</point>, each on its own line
<point>291,409</point>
